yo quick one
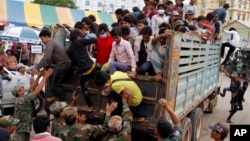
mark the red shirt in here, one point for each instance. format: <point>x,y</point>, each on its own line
<point>103,46</point>
<point>151,14</point>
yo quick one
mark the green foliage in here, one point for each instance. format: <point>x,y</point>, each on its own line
<point>59,3</point>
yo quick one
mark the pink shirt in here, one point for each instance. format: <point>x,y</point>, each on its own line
<point>45,137</point>
<point>123,53</point>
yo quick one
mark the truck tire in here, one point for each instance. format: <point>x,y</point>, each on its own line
<point>187,129</point>
<point>38,101</point>
<point>196,120</point>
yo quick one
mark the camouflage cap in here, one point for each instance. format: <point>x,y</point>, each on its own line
<point>69,111</point>
<point>7,121</point>
<point>16,89</point>
<point>57,106</point>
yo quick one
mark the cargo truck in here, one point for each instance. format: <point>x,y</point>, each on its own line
<point>190,83</point>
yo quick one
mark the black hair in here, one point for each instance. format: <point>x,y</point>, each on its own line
<point>70,120</point>
<point>116,32</point>
<point>153,3</point>
<point>164,128</point>
<point>226,6</point>
<point>141,16</point>
<point>145,22</point>
<point>169,3</point>
<point>92,17</point>
<point>11,51</point>
<point>45,33</point>
<point>162,30</point>
<point>125,30</point>
<point>232,28</point>
<point>115,24</point>
<point>126,11</point>
<point>78,25</point>
<point>1,67</point>
<point>128,19</point>
<point>201,18</point>
<point>245,83</point>
<point>101,78</point>
<point>192,27</point>
<point>74,35</point>
<point>88,21</point>
<point>210,16</point>
<point>119,11</point>
<point>165,25</point>
<point>103,27</point>
<point>161,5</point>
<point>136,9</point>
<point>40,123</point>
<point>146,31</point>
<point>183,29</point>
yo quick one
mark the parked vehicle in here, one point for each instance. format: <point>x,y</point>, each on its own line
<point>9,82</point>
<point>190,83</point>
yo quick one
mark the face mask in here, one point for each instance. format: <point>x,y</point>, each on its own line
<point>161,11</point>
<point>104,35</point>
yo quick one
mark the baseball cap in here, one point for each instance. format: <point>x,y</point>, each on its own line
<point>7,121</point>
<point>16,89</point>
<point>164,127</point>
<point>4,134</point>
<point>57,106</point>
<point>221,127</point>
<point>20,65</point>
<point>69,111</point>
<point>190,12</point>
<point>175,13</point>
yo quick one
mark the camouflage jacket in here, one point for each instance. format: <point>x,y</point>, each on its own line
<point>56,127</point>
<point>124,134</point>
<point>72,133</point>
<point>24,112</point>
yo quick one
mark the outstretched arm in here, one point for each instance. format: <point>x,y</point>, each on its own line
<point>175,119</point>
<point>39,87</point>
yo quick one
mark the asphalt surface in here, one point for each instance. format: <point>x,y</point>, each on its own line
<point>222,111</point>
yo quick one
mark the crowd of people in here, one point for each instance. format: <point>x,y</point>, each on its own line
<point>136,44</point>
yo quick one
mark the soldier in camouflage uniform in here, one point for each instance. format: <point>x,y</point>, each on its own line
<point>8,123</point>
<point>117,128</point>
<point>58,121</point>
<point>23,106</point>
<point>71,132</point>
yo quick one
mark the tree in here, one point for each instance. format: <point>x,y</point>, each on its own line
<point>61,3</point>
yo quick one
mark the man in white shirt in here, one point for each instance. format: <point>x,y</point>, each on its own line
<point>22,77</point>
<point>232,44</point>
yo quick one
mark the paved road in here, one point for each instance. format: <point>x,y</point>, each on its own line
<point>222,111</point>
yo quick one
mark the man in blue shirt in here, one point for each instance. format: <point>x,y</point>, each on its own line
<point>222,12</point>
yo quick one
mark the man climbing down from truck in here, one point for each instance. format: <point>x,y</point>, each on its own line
<point>164,130</point>
<point>80,57</point>
<point>119,84</point>
<point>232,44</point>
<point>237,101</point>
<point>55,57</point>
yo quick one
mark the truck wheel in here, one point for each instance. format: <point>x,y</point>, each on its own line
<point>38,101</point>
<point>187,129</point>
<point>196,120</point>
<point>212,104</point>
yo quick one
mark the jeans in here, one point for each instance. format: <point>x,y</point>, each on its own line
<point>56,79</point>
<point>231,50</point>
<point>84,80</point>
<point>114,66</point>
<point>146,67</point>
<point>226,89</point>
